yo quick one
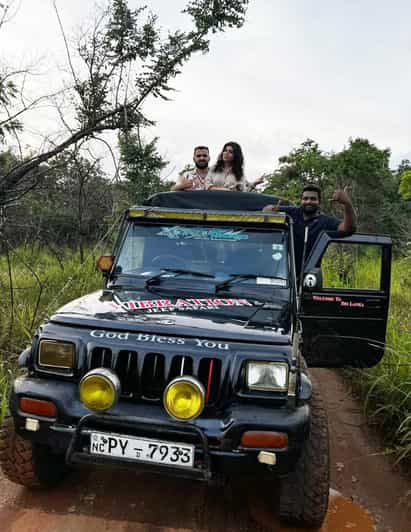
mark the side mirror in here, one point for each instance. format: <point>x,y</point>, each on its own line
<point>104,264</point>
<point>313,280</point>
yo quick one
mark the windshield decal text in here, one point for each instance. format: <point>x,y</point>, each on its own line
<point>199,233</point>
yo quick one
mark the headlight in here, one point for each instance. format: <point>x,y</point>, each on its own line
<point>267,376</point>
<point>99,389</point>
<point>184,398</point>
<point>56,354</point>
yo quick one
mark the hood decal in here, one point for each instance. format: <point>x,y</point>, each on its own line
<point>159,339</point>
<point>152,306</point>
<point>216,319</point>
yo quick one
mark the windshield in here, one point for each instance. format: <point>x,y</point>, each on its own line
<point>214,250</point>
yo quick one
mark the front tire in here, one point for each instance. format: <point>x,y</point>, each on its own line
<point>26,463</point>
<point>304,492</point>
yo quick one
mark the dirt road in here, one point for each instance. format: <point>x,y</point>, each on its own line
<point>367,495</point>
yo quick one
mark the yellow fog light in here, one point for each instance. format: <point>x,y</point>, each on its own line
<point>184,398</point>
<point>99,389</point>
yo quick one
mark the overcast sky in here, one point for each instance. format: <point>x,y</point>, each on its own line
<point>298,69</point>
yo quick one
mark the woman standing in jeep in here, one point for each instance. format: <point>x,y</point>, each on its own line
<point>228,172</point>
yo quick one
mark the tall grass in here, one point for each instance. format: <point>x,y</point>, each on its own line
<point>38,285</point>
<point>385,388</point>
<point>4,381</point>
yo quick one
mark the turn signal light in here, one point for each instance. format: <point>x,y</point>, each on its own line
<point>264,439</point>
<point>38,407</point>
<point>104,263</point>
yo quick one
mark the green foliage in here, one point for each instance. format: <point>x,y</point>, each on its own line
<point>124,38</point>
<point>67,207</point>
<point>217,14</point>
<point>5,376</point>
<point>364,168</point>
<point>405,186</point>
<point>8,93</point>
<point>7,160</point>
<point>39,284</point>
<point>141,166</point>
<point>351,266</point>
<point>385,388</point>
<point>305,164</point>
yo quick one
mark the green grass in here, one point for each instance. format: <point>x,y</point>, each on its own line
<point>386,388</point>
<point>41,283</point>
<point>4,380</point>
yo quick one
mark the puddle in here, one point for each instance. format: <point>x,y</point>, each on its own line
<point>343,515</point>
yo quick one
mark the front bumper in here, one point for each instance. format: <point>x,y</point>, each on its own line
<point>217,440</point>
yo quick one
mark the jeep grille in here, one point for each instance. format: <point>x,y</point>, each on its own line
<point>144,376</point>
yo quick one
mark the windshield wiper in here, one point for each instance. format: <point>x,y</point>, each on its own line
<point>122,287</point>
<point>177,271</point>
<point>235,278</point>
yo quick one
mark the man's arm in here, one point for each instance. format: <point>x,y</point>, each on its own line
<point>279,207</point>
<point>252,186</point>
<point>182,184</point>
<point>348,225</point>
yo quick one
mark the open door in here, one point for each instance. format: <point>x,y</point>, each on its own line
<point>344,308</point>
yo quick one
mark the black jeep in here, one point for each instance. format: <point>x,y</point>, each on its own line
<point>193,359</point>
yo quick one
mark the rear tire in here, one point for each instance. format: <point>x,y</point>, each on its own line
<point>304,492</point>
<point>26,463</point>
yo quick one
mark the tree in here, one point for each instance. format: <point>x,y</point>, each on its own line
<point>305,164</point>
<point>140,166</point>
<point>126,59</point>
<point>68,207</point>
<point>405,185</point>
<point>365,168</point>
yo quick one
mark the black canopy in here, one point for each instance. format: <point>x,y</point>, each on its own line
<point>213,200</point>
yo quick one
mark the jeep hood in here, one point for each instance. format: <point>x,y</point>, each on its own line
<point>235,319</point>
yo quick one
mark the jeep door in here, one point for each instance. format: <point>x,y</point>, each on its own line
<point>345,299</point>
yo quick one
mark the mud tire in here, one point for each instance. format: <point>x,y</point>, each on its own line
<point>304,492</point>
<point>26,463</point>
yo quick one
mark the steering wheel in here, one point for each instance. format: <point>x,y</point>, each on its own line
<point>169,261</point>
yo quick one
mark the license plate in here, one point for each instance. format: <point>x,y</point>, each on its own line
<point>144,450</point>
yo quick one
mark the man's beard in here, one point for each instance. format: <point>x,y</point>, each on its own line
<point>201,165</point>
<point>310,210</point>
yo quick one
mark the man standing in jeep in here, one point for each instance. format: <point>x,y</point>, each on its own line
<point>309,215</point>
<point>195,180</point>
